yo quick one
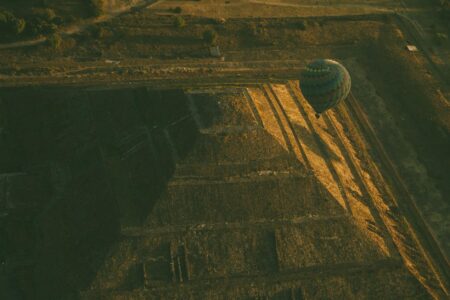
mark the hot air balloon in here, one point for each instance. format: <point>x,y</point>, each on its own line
<point>324,83</point>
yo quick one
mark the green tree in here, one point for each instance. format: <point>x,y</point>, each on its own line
<point>55,41</point>
<point>210,36</point>
<point>179,22</point>
<point>18,26</point>
<point>10,24</point>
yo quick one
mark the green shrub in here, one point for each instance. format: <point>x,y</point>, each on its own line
<point>55,41</point>
<point>34,27</point>
<point>6,16</point>
<point>10,24</point>
<point>19,26</point>
<point>177,10</point>
<point>301,25</point>
<point>210,36</point>
<point>440,38</point>
<point>38,26</point>
<point>180,22</point>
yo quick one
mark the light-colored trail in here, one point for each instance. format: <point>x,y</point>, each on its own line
<point>341,5</point>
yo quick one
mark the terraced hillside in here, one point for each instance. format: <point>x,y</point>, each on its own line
<point>240,207</point>
<point>269,202</point>
<point>235,192</point>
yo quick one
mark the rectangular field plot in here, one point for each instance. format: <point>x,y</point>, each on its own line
<point>266,197</point>
<point>319,244</point>
<point>281,164</point>
<point>231,253</point>
<point>228,147</point>
<point>223,110</point>
<point>380,282</point>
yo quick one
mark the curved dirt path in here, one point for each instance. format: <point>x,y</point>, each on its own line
<point>78,27</point>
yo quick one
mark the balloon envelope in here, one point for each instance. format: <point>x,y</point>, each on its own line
<point>324,83</point>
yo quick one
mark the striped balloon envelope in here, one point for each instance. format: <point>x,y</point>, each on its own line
<point>324,83</point>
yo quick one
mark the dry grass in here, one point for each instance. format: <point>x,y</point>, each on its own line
<point>277,8</point>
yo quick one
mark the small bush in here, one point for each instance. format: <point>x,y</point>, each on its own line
<point>10,24</point>
<point>6,16</point>
<point>55,41</point>
<point>38,26</point>
<point>19,26</point>
<point>210,36</point>
<point>177,10</point>
<point>180,22</point>
<point>34,27</point>
<point>301,25</point>
<point>440,38</point>
<point>251,30</point>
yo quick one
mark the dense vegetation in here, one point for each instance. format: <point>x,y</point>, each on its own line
<point>10,24</point>
<point>17,20</point>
